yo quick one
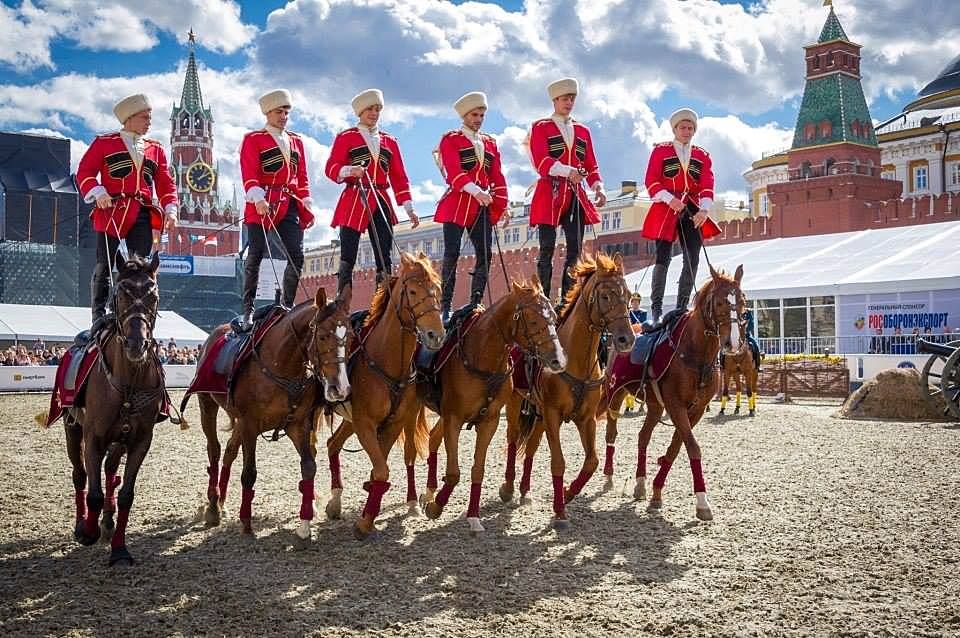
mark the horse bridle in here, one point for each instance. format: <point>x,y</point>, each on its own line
<point>593,305</point>
<point>718,323</point>
<point>339,341</point>
<point>534,341</point>
<point>404,303</point>
<point>143,307</point>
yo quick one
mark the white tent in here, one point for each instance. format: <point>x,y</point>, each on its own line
<point>910,258</point>
<point>61,323</point>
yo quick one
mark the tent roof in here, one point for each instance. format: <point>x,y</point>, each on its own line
<point>910,258</point>
<point>61,323</point>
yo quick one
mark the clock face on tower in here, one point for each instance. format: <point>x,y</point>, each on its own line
<point>200,177</point>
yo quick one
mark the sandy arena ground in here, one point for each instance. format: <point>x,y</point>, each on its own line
<point>823,527</point>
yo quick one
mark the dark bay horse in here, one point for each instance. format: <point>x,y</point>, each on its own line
<point>476,383</point>
<point>734,365</point>
<point>299,364</point>
<point>125,395</point>
<point>403,311</point>
<point>597,303</point>
<point>687,386</point>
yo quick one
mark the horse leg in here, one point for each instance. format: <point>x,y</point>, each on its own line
<point>683,435</point>
<point>664,463</point>
<point>485,431</point>
<point>654,412</point>
<point>334,445</point>
<point>302,436</point>
<point>588,438</point>
<point>513,428</point>
<point>552,422</point>
<point>736,376</point>
<point>248,477</point>
<point>74,437</point>
<point>529,449</point>
<point>409,460</point>
<point>436,438</point>
<point>110,467</point>
<point>93,452</point>
<point>725,393</point>
<point>451,445</point>
<point>208,421</point>
<point>753,391</point>
<point>378,484</point>
<point>135,455</point>
<point>613,415</point>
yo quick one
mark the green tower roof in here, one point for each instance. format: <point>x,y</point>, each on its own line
<point>832,29</point>
<point>191,99</point>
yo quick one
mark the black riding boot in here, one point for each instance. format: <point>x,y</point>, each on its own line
<point>344,275</point>
<point>290,281</point>
<point>251,273</point>
<point>478,284</point>
<point>545,271</point>
<point>657,287</point>
<point>99,291</point>
<point>685,286</point>
<point>448,277</point>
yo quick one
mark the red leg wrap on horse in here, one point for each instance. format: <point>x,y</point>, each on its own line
<point>511,472</point>
<point>641,461</point>
<point>558,498</point>
<point>119,538</point>
<point>699,485</point>
<point>608,461</point>
<point>306,502</point>
<point>473,509</point>
<point>432,470</point>
<point>110,498</point>
<point>376,490</point>
<point>661,478</point>
<point>444,494</point>
<point>224,481</point>
<point>91,523</point>
<point>246,504</point>
<point>411,484</point>
<point>213,484</point>
<point>577,486</point>
<point>525,478</point>
<point>335,481</point>
<point>80,499</point>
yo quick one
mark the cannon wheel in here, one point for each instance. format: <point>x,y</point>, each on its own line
<point>950,383</point>
<point>936,379</point>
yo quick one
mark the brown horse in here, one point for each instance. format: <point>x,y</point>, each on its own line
<point>476,383</point>
<point>734,365</point>
<point>404,311</point>
<point>687,386</point>
<point>299,364</point>
<point>125,395</point>
<point>597,303</point>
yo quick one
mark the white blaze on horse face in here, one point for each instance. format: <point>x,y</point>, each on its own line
<point>734,324</point>
<point>343,381</point>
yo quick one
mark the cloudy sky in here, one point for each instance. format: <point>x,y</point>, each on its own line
<point>63,63</point>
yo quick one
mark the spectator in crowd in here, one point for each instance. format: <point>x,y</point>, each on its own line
<point>637,314</point>
<point>878,344</point>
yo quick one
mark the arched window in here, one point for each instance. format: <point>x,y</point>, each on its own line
<point>828,166</point>
<point>806,170</point>
<point>826,128</point>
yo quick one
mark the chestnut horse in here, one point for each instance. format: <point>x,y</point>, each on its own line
<point>597,303</point>
<point>736,364</point>
<point>299,364</point>
<point>476,383</point>
<point>403,311</point>
<point>125,394</point>
<point>685,389</point>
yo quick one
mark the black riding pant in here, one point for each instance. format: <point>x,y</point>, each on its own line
<point>291,237</point>
<point>139,241</point>
<point>481,236</point>
<point>381,239</point>
<point>690,244</point>
<point>573,226</point>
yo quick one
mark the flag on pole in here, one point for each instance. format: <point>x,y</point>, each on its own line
<point>210,240</point>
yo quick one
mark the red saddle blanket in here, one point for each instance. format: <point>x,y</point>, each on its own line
<point>433,362</point>
<point>219,364</point>
<point>622,372</point>
<point>523,379</point>
<point>71,380</point>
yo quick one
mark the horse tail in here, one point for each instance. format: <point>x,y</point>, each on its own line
<point>422,434</point>
<point>604,404</point>
<point>527,443</point>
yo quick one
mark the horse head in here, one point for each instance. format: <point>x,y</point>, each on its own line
<point>724,307</point>
<point>328,343</point>
<point>609,301</point>
<point>536,324</point>
<point>417,291</point>
<point>136,298</point>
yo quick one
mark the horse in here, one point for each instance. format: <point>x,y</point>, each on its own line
<point>733,365</point>
<point>404,311</point>
<point>125,394</point>
<point>685,388</point>
<point>597,303</point>
<point>297,366</point>
<point>476,384</point>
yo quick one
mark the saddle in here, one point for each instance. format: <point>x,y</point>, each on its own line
<point>430,363</point>
<point>236,324</point>
<point>651,355</point>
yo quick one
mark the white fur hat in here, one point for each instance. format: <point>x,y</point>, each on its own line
<point>563,86</point>
<point>683,114</point>
<point>470,101</point>
<point>365,99</point>
<point>131,105</point>
<point>274,100</point>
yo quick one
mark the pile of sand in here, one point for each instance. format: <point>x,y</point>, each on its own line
<point>892,394</point>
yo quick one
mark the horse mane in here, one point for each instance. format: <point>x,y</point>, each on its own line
<point>586,267</point>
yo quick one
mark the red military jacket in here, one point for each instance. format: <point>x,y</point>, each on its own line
<point>350,149</point>
<point>553,195</point>
<point>665,172</point>
<point>130,187</point>
<point>263,164</point>
<point>460,166</point>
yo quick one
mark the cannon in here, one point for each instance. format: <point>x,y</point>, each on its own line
<point>940,377</point>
